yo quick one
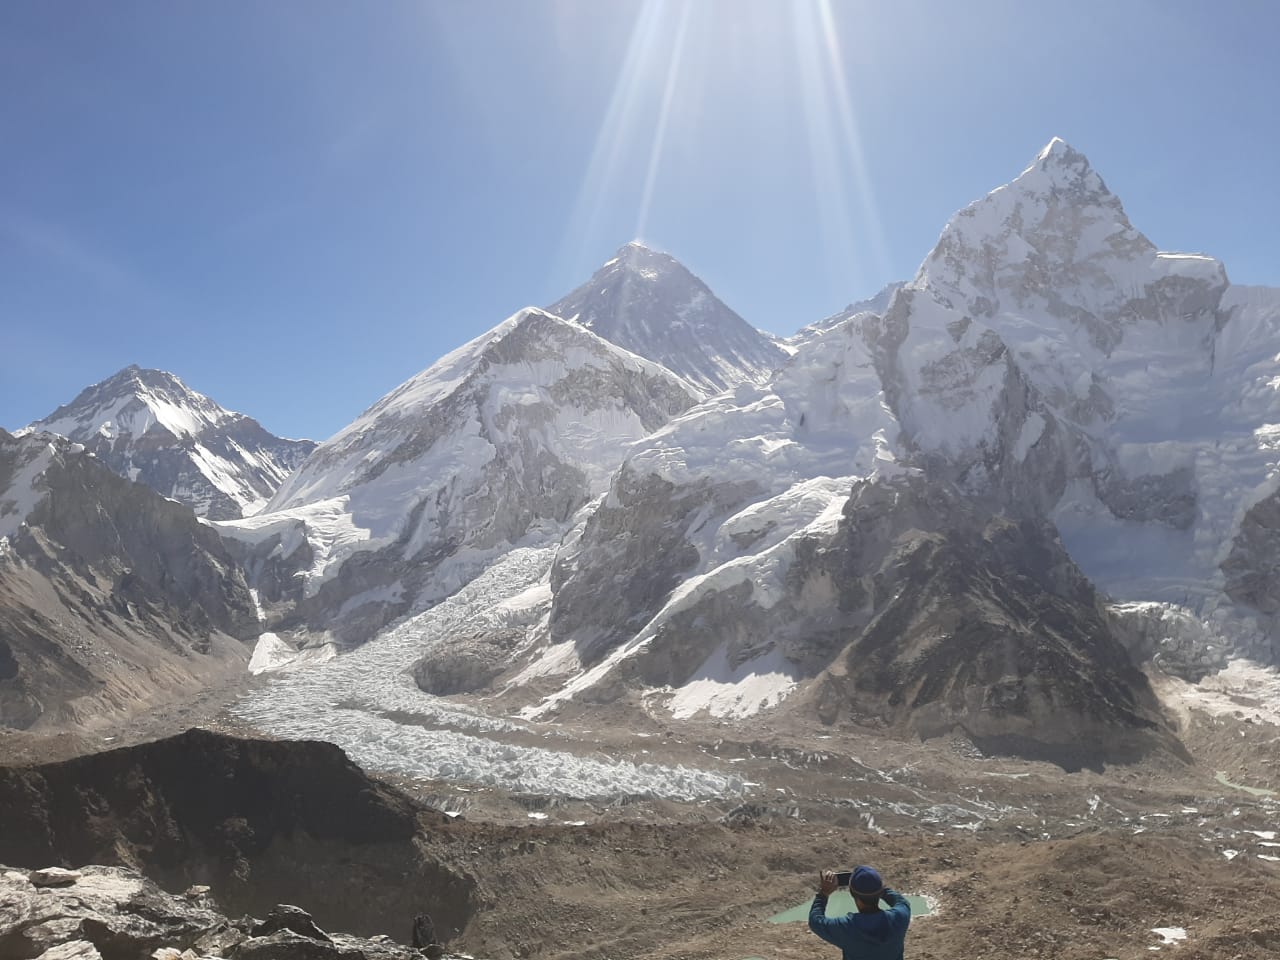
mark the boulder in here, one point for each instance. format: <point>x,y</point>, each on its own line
<point>53,877</point>
<point>72,950</point>
<point>115,910</point>
<point>284,916</point>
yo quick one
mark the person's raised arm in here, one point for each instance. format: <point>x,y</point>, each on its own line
<point>828,928</point>
<point>899,906</point>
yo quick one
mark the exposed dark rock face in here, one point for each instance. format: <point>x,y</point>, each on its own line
<point>981,621</point>
<point>640,529</point>
<point>484,657</point>
<point>261,822</point>
<point>111,596</point>
<point>1252,568</point>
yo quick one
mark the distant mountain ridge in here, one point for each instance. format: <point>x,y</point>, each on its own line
<point>899,515</point>
<point>148,426</point>
<point>1047,364</point>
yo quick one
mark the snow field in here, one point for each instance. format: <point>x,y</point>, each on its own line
<point>23,493</point>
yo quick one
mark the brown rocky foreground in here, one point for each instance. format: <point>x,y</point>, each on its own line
<point>265,822</point>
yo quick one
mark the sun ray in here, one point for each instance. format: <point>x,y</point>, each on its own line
<point>664,119</point>
<point>832,202</point>
<point>617,128</point>
<point>848,119</point>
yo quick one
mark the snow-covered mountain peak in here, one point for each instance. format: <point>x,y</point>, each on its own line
<point>1057,209</point>
<point>634,262</point>
<point>1049,351</point>
<point>134,401</point>
<point>1059,158</point>
<point>149,426</point>
<point>649,303</point>
<point>1064,171</point>
<point>645,263</point>
<point>1055,147</point>
<point>529,351</point>
<point>502,439</point>
<point>1053,253</point>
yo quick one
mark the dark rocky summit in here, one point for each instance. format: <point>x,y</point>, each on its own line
<point>647,302</point>
<point>260,822</point>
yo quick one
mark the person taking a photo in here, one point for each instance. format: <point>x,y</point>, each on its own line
<point>870,933</point>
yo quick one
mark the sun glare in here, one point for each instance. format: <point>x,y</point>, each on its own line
<point>673,90</point>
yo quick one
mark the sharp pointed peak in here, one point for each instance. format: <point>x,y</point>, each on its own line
<point>1058,168</point>
<point>1061,162</point>
<point>1056,148</point>
<point>125,374</point>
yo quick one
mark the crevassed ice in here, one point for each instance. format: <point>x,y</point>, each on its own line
<point>367,703</point>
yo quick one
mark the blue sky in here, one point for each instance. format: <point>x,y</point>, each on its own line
<point>295,206</point>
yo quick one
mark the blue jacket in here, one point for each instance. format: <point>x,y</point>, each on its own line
<point>865,936</point>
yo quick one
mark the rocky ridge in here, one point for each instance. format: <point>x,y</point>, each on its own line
<point>148,426</point>
<point>872,306</point>
<point>911,606</point>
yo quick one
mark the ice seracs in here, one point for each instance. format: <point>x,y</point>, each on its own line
<point>148,426</point>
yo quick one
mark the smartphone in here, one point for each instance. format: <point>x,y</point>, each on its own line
<point>842,879</point>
